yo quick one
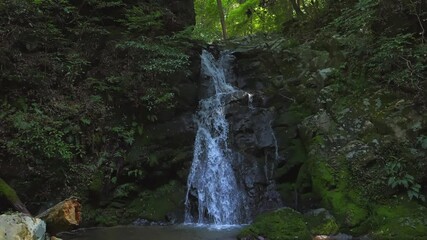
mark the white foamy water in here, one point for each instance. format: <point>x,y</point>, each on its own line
<point>212,180</point>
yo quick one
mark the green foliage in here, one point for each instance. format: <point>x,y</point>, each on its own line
<point>152,160</point>
<point>124,190</point>
<point>75,66</point>
<point>357,19</point>
<point>396,61</point>
<point>367,34</point>
<point>105,4</point>
<point>155,98</point>
<point>35,133</point>
<point>155,57</point>
<point>398,177</point>
<point>248,17</point>
<point>142,19</point>
<point>79,81</point>
<point>126,134</point>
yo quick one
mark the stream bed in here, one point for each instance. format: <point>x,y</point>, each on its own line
<point>175,232</point>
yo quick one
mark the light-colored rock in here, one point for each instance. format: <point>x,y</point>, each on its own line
<point>18,226</point>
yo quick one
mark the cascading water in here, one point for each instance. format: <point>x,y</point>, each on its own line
<point>212,180</point>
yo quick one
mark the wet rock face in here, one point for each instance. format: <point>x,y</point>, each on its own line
<point>253,142</point>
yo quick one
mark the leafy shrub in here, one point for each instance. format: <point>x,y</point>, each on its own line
<point>398,177</point>
<point>35,135</point>
<point>396,61</point>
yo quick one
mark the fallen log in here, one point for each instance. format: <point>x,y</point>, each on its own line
<point>7,192</point>
<point>64,216</point>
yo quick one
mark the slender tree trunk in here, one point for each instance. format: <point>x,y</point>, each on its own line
<point>297,8</point>
<point>9,193</point>
<point>222,18</point>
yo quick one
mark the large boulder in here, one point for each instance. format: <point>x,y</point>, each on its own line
<point>282,224</point>
<point>321,222</point>
<point>22,227</point>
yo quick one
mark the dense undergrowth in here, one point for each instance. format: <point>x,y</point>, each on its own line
<point>82,80</point>
<point>79,82</point>
<point>381,46</point>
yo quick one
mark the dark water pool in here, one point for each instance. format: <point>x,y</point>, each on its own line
<point>176,232</point>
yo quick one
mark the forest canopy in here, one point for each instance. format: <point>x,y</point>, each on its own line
<point>245,17</point>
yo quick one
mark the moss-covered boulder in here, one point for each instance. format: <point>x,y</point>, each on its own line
<point>282,224</point>
<point>321,222</point>
<point>156,205</point>
<point>399,220</point>
<point>332,184</point>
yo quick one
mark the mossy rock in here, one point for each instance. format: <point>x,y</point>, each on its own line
<point>399,220</point>
<point>333,187</point>
<point>101,217</point>
<point>155,205</point>
<point>287,192</point>
<point>321,222</point>
<point>152,205</point>
<point>282,224</point>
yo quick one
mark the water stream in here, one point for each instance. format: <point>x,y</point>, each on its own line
<point>211,180</point>
<point>176,232</point>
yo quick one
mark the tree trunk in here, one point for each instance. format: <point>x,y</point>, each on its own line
<point>63,216</point>
<point>297,8</point>
<point>222,19</point>
<point>7,192</point>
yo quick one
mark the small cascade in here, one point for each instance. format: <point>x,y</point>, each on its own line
<point>276,146</point>
<point>251,101</point>
<point>270,166</point>
<point>214,195</point>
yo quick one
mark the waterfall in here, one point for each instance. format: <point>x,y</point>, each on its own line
<point>217,198</point>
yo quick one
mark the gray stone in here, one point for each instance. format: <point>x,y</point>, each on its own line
<point>19,226</point>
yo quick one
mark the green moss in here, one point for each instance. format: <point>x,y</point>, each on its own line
<point>102,217</point>
<point>107,217</point>
<point>348,212</point>
<point>151,205</point>
<point>303,181</point>
<point>154,205</point>
<point>293,116</point>
<point>399,220</point>
<point>322,176</point>
<point>281,224</point>
<point>297,156</point>
<point>320,222</point>
<point>332,186</point>
<point>287,192</point>
<point>7,192</point>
